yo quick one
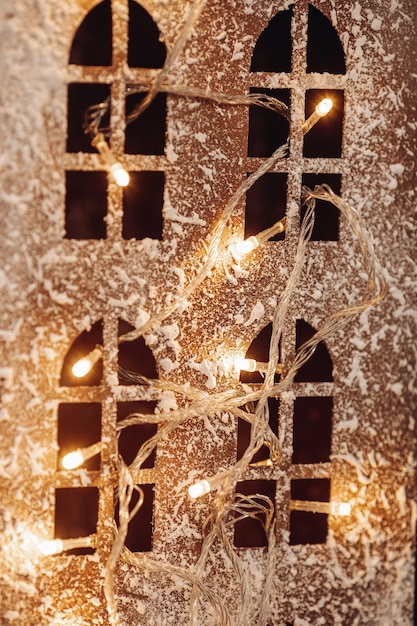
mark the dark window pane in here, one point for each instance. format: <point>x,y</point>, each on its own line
<point>139,536</point>
<point>79,426</point>
<point>267,129</point>
<point>85,205</point>
<point>319,367</point>
<point>143,201</point>
<point>145,49</point>
<point>311,489</point>
<point>134,358</point>
<point>81,346</point>
<point>312,429</point>
<point>131,438</point>
<point>307,527</point>
<point>76,514</point>
<point>92,43</point>
<point>146,134</point>
<point>326,223</point>
<point>80,97</point>
<point>249,532</point>
<point>272,52</point>
<point>266,203</point>
<point>325,138</point>
<point>324,49</point>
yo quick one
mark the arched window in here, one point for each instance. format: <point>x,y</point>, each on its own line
<point>293,70</point>
<point>97,75</point>
<point>312,418</point>
<point>304,423</point>
<point>89,409</point>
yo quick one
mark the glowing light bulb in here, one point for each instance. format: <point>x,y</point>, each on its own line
<point>242,247</point>
<point>340,508</point>
<point>324,107</point>
<point>332,508</point>
<point>73,460</point>
<point>51,546</point>
<point>199,489</point>
<point>248,365</point>
<point>82,367</point>
<point>120,175</point>
<point>116,169</point>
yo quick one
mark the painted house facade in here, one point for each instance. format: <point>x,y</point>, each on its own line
<point>87,263</point>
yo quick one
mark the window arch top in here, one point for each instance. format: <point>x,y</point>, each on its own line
<point>324,49</point>
<point>319,367</point>
<point>135,358</point>
<point>273,50</point>
<point>92,42</point>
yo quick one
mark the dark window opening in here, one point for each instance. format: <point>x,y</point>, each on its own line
<point>92,43</point>
<point>132,437</point>
<point>146,134</point>
<point>307,527</point>
<point>143,201</point>
<point>80,97</point>
<point>135,358</point>
<point>266,203</point>
<point>326,223</point>
<point>312,429</point>
<point>244,431</point>
<point>83,345</point>
<point>79,426</point>
<point>259,350</point>
<point>85,205</point>
<point>249,532</point>
<point>325,138</point>
<point>76,514</point>
<point>267,129</point>
<point>139,535</point>
<point>144,48</point>
<point>324,49</point>
<point>319,367</point>
<point>272,52</point>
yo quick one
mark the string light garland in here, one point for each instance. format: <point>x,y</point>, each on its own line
<point>226,505</point>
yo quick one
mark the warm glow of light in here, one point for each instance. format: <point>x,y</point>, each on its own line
<point>73,459</point>
<point>242,247</point>
<point>199,489</point>
<point>82,367</point>
<point>120,175</point>
<point>248,365</point>
<point>340,508</point>
<point>324,107</point>
<point>51,546</point>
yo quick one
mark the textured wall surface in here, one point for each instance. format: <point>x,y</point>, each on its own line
<point>54,287</point>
